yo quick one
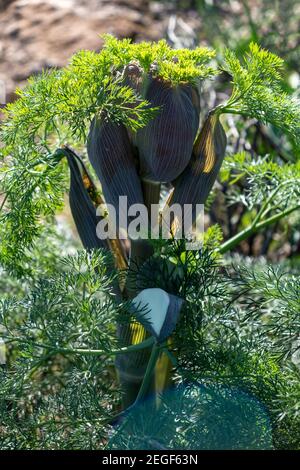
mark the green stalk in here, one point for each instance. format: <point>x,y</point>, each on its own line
<point>132,368</point>
<point>149,373</point>
<point>254,227</point>
<point>93,352</point>
<point>171,356</point>
<point>265,207</point>
<point>114,352</point>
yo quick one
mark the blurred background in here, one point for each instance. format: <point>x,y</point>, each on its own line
<point>37,34</point>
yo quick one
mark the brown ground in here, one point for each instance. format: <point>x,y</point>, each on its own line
<point>36,34</point>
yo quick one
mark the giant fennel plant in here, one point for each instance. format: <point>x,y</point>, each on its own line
<point>191,338</point>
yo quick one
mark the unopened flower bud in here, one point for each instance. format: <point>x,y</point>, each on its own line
<point>111,155</point>
<point>196,181</point>
<point>159,311</point>
<point>81,202</point>
<point>165,144</point>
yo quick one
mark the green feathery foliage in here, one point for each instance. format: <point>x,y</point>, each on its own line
<point>58,390</point>
<point>268,192</point>
<point>33,186</point>
<point>258,92</point>
<point>265,180</point>
<point>275,305</point>
<point>175,66</point>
